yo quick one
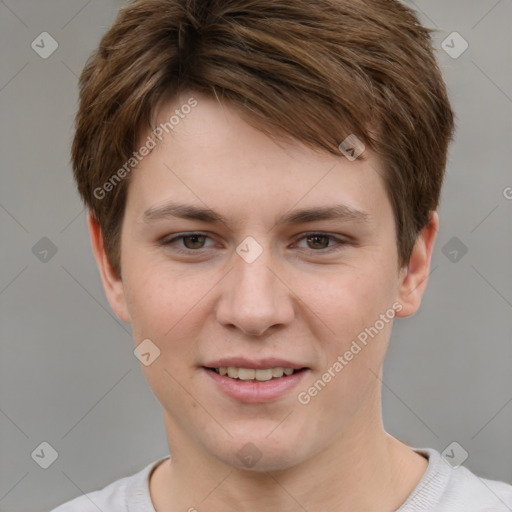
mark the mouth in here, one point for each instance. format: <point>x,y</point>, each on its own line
<point>255,382</point>
<point>255,374</point>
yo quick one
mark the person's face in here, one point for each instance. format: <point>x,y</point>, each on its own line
<point>260,286</point>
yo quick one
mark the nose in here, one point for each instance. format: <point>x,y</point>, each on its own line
<point>253,299</point>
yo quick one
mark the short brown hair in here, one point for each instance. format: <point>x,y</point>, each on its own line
<point>317,70</point>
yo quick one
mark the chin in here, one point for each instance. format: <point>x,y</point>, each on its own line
<point>251,458</point>
<point>261,453</point>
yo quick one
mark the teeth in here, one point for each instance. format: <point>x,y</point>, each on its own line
<point>246,374</point>
<point>252,374</point>
<point>264,374</point>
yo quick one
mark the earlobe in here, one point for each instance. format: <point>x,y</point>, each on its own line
<point>112,283</point>
<point>414,277</point>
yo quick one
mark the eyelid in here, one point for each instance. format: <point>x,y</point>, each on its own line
<point>341,241</point>
<point>169,240</point>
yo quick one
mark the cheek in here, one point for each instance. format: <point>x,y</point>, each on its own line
<point>356,306</point>
<point>170,308</point>
<point>349,299</point>
<point>158,298</point>
<point>164,307</point>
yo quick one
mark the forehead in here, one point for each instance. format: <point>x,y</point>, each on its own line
<point>212,156</point>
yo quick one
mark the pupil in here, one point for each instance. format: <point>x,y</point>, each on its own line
<point>317,240</point>
<point>196,239</point>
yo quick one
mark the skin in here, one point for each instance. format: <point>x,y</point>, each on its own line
<point>296,301</point>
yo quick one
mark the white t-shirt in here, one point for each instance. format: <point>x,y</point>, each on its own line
<point>442,489</point>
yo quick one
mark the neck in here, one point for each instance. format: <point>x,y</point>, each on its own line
<point>364,467</point>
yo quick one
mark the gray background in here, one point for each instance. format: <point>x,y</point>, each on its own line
<point>68,375</point>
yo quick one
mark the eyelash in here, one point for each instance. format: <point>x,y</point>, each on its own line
<point>340,242</point>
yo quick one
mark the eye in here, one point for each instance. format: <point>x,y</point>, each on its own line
<point>321,241</point>
<point>191,242</point>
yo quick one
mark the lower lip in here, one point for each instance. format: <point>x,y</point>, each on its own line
<point>251,391</point>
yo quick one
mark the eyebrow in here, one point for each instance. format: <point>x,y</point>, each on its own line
<point>205,214</point>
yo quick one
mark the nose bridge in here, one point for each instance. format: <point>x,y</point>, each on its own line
<point>251,262</point>
<point>253,299</point>
<point>255,280</point>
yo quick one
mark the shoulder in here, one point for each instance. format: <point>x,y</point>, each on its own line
<point>477,492</point>
<point>115,497</point>
<point>444,488</point>
<point>112,498</point>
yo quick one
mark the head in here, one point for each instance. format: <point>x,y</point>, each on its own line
<point>225,119</point>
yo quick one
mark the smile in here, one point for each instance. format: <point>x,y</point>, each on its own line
<point>260,374</point>
<point>255,385</point>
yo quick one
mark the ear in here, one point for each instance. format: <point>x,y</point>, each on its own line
<point>112,284</point>
<point>414,277</point>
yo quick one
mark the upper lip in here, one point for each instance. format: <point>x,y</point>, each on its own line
<point>256,364</point>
